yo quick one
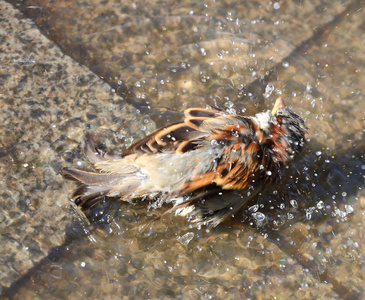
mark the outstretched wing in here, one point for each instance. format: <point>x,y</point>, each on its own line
<point>179,137</point>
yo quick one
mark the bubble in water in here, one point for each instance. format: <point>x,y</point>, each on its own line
<point>259,217</point>
<point>186,238</point>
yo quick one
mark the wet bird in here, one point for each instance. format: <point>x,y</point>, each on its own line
<point>192,163</point>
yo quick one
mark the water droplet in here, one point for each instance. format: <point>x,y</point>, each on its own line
<point>349,209</point>
<point>254,208</point>
<point>186,238</point>
<point>268,90</point>
<point>214,142</point>
<point>276,5</point>
<point>229,104</point>
<point>259,217</point>
<point>320,204</point>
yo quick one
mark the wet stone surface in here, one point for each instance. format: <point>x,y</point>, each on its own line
<point>175,54</point>
<point>119,70</point>
<point>47,101</point>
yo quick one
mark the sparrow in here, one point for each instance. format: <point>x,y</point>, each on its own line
<point>192,163</point>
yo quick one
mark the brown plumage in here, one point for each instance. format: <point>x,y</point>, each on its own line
<point>191,163</point>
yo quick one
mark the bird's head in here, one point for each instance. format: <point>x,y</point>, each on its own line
<point>284,131</point>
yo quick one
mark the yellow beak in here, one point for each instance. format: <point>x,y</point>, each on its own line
<point>278,104</point>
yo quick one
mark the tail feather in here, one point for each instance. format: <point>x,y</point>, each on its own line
<point>91,178</point>
<point>90,203</point>
<point>86,193</point>
<point>94,186</point>
<point>118,180</point>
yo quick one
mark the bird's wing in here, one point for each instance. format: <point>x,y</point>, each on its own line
<point>243,158</point>
<point>242,166</point>
<point>179,137</point>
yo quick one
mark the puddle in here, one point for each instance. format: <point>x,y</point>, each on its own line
<point>301,239</point>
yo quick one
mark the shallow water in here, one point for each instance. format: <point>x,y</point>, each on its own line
<point>303,238</point>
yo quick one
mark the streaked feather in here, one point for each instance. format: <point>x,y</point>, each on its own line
<point>202,157</point>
